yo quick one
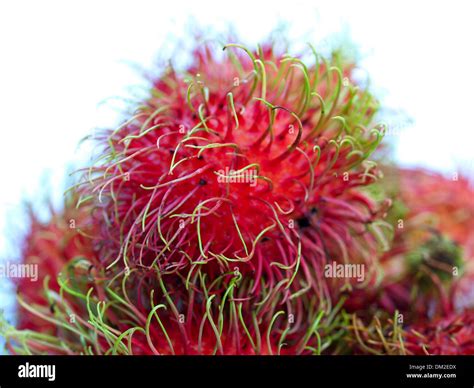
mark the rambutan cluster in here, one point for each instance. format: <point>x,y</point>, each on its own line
<point>212,214</point>
<point>423,300</point>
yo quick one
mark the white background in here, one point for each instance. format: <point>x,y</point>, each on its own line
<point>60,59</point>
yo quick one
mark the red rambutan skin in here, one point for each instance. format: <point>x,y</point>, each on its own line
<point>144,313</point>
<point>67,303</point>
<point>50,246</point>
<point>301,130</point>
<point>451,335</point>
<point>246,326</point>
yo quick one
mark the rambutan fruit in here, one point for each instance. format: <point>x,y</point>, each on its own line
<point>144,313</point>
<point>451,335</point>
<point>448,201</point>
<point>435,236</point>
<point>437,256</point>
<point>421,276</point>
<point>215,209</point>
<point>80,307</point>
<point>50,246</point>
<point>448,335</point>
<point>252,161</point>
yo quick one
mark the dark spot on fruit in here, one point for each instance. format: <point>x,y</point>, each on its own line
<point>444,255</point>
<point>440,255</point>
<point>303,222</point>
<point>264,239</point>
<point>202,182</point>
<point>171,150</point>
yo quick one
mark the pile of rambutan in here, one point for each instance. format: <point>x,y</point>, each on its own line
<point>213,215</point>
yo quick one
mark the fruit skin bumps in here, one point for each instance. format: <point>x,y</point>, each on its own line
<point>211,213</point>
